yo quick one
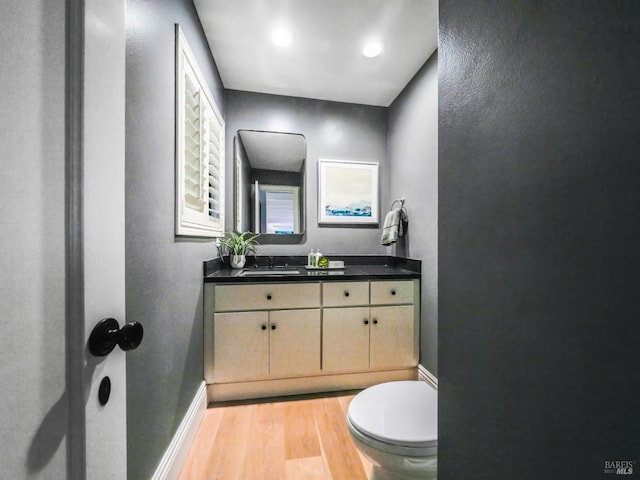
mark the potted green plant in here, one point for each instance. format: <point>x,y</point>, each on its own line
<point>238,245</point>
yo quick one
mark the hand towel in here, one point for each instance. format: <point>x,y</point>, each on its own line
<point>394,226</point>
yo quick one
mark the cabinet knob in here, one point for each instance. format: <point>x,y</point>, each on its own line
<point>268,296</point>
<point>273,327</point>
<point>366,322</point>
<point>346,293</point>
<point>393,292</point>
<point>375,322</point>
<point>263,327</point>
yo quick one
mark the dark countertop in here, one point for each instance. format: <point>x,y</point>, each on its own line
<point>357,267</point>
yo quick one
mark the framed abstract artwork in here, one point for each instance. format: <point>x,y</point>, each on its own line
<point>347,193</point>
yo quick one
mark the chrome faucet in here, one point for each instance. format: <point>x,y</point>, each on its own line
<point>271,261</point>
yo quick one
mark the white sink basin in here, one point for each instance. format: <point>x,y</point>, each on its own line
<point>274,272</point>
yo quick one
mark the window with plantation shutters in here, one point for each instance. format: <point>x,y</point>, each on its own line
<point>199,150</point>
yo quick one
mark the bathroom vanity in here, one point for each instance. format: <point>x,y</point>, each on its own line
<point>271,333</point>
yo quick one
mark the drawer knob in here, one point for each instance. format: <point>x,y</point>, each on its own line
<point>273,327</point>
<point>268,296</point>
<point>375,322</point>
<point>393,292</point>
<point>263,327</point>
<point>346,293</point>
<point>366,322</point>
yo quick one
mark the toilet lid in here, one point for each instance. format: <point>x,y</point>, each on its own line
<point>401,413</point>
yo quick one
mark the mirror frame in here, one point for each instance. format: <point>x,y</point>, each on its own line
<point>272,238</point>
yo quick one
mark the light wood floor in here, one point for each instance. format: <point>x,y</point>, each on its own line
<point>303,439</point>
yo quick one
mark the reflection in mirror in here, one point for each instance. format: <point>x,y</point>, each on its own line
<point>269,178</point>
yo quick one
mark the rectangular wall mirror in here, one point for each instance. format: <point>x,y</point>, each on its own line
<point>269,184</point>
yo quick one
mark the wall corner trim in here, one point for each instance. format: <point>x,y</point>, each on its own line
<point>178,450</point>
<point>426,376</point>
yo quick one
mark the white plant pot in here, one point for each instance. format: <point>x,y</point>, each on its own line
<point>237,261</point>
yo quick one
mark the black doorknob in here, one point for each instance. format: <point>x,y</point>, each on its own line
<point>107,334</point>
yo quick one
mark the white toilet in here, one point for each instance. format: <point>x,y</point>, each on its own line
<point>395,425</point>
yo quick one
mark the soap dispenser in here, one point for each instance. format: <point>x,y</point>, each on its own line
<point>318,257</point>
<point>310,258</point>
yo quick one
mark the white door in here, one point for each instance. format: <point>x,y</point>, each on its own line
<point>102,230</point>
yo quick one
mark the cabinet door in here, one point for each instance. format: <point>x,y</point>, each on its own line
<point>294,343</point>
<point>240,346</point>
<point>392,337</point>
<point>345,339</point>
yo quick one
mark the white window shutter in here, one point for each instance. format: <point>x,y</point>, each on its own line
<point>199,150</point>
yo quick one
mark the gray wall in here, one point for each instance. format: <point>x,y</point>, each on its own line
<point>539,297</point>
<point>332,130</point>
<point>33,402</point>
<point>413,174</point>
<point>163,273</point>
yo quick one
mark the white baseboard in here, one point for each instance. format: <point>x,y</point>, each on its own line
<point>426,376</point>
<point>177,451</point>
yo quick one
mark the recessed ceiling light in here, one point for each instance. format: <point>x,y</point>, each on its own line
<point>373,49</point>
<point>283,37</point>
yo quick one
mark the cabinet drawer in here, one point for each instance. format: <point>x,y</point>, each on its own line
<point>392,292</point>
<point>340,294</point>
<point>267,296</point>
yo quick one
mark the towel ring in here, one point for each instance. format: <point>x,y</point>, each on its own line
<point>401,200</point>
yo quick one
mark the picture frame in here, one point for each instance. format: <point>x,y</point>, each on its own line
<point>348,193</point>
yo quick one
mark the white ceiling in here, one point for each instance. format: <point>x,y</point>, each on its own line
<point>325,60</point>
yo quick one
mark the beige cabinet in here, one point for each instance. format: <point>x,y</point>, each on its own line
<point>258,343</point>
<point>265,339</point>
<point>370,337</point>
